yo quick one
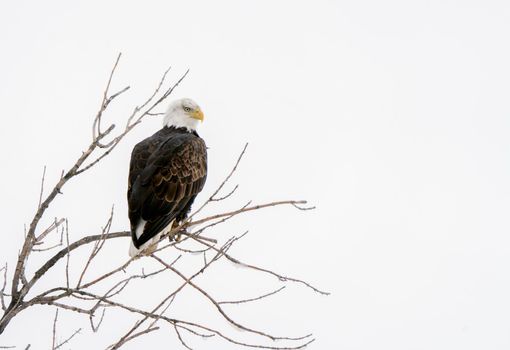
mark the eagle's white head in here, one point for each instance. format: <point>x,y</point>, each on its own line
<point>183,113</point>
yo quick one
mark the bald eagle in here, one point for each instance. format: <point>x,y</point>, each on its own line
<point>167,171</point>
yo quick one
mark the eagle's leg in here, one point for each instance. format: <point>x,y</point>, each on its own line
<point>176,235</point>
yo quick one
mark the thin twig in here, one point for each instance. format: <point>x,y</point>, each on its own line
<point>54,225</point>
<point>68,339</point>
<point>42,187</point>
<point>97,247</point>
<point>225,196</point>
<point>2,291</point>
<point>180,338</point>
<point>244,210</point>
<point>91,319</point>
<point>252,299</point>
<point>138,334</point>
<point>68,255</point>
<point>54,341</point>
<point>96,125</point>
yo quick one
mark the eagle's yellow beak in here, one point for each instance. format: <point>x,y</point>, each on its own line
<point>198,114</point>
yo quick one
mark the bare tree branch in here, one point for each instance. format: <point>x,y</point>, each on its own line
<point>96,125</point>
<point>97,247</point>
<point>180,338</point>
<point>2,291</point>
<point>91,293</point>
<point>137,334</point>
<point>68,339</point>
<point>42,187</point>
<point>54,338</point>
<point>253,299</point>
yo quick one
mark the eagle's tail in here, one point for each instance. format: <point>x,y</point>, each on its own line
<point>148,247</point>
<point>132,250</point>
<point>145,249</point>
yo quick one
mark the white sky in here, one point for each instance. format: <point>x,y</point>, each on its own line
<point>392,117</point>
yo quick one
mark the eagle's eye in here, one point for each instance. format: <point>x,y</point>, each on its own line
<point>187,109</point>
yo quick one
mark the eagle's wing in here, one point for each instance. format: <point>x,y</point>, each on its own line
<point>139,157</point>
<point>164,184</point>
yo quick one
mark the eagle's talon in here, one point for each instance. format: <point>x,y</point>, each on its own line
<point>176,237</point>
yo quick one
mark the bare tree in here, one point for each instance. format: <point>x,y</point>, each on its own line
<point>78,293</point>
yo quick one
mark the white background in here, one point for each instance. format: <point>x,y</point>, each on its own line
<point>391,117</point>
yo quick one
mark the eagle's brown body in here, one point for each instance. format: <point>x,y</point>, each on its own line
<point>167,171</point>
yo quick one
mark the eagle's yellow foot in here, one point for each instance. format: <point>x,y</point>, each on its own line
<point>176,236</point>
